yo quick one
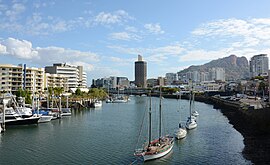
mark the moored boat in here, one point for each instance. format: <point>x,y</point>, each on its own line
<point>159,147</point>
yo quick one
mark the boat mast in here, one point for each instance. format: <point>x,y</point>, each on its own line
<point>150,121</point>
<point>159,112</point>
<point>190,99</point>
<point>190,104</point>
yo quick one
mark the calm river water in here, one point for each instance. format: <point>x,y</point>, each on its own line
<point>109,135</point>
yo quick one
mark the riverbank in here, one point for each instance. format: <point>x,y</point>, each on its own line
<point>254,125</point>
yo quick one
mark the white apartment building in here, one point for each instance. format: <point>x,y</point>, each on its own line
<point>74,74</point>
<point>217,74</point>
<point>55,80</point>
<point>13,78</point>
<point>259,65</point>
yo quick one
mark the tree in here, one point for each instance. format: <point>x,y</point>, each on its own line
<point>58,91</point>
<point>26,94</point>
<point>78,92</point>
<point>97,93</point>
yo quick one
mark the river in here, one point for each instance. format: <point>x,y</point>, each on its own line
<point>110,134</point>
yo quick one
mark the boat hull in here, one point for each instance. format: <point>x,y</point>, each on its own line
<point>191,125</point>
<point>181,133</point>
<point>44,119</point>
<point>159,155</point>
<point>22,121</point>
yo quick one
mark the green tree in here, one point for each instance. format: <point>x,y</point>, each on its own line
<point>78,92</point>
<point>26,94</point>
<point>58,91</point>
<point>97,93</point>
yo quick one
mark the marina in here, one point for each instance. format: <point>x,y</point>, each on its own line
<point>109,134</point>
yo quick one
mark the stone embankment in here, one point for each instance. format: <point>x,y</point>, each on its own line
<point>253,124</point>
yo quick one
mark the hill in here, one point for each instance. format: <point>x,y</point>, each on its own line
<point>235,67</point>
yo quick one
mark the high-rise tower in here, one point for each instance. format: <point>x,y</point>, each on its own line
<point>140,72</point>
<point>259,65</point>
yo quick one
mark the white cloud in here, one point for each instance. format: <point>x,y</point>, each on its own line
<point>122,61</point>
<point>118,16</point>
<point>86,66</point>
<point>203,55</point>
<point>23,49</point>
<point>124,36</point>
<point>169,50</point>
<point>154,28</point>
<point>3,49</point>
<point>255,30</point>
<point>19,48</point>
<point>56,54</point>
<point>131,29</point>
<point>15,11</point>
<point>173,49</point>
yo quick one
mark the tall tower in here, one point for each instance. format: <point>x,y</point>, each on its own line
<point>140,72</point>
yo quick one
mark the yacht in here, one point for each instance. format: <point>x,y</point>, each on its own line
<point>158,147</point>
<point>191,122</point>
<point>14,118</point>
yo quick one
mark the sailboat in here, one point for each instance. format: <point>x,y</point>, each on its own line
<point>159,147</point>
<point>181,132</point>
<point>194,112</point>
<point>119,99</point>
<point>191,122</point>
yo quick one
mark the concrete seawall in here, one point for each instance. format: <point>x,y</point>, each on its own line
<point>253,124</point>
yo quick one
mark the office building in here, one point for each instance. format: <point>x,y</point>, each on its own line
<point>140,72</point>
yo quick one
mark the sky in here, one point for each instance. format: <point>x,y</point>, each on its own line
<point>105,37</point>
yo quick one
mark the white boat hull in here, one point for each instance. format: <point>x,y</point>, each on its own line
<point>181,133</point>
<point>191,125</point>
<point>119,101</point>
<point>195,113</point>
<point>44,119</point>
<point>97,104</point>
<point>156,156</point>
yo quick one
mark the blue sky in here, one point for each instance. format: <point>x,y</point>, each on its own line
<point>106,36</point>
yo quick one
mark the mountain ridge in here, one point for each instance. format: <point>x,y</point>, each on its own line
<point>235,67</point>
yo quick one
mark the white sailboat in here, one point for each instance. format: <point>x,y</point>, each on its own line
<point>159,147</point>
<point>194,112</point>
<point>181,132</point>
<point>66,111</point>
<point>119,99</point>
<point>191,122</point>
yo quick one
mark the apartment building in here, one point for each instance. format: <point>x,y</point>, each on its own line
<point>259,65</point>
<point>74,74</point>
<point>13,78</point>
<point>55,80</point>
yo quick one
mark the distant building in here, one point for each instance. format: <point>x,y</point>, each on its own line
<point>13,78</point>
<point>140,72</point>
<point>259,65</point>
<point>217,74</point>
<point>171,78</point>
<point>161,81</point>
<point>74,74</point>
<point>112,82</point>
<point>152,82</point>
